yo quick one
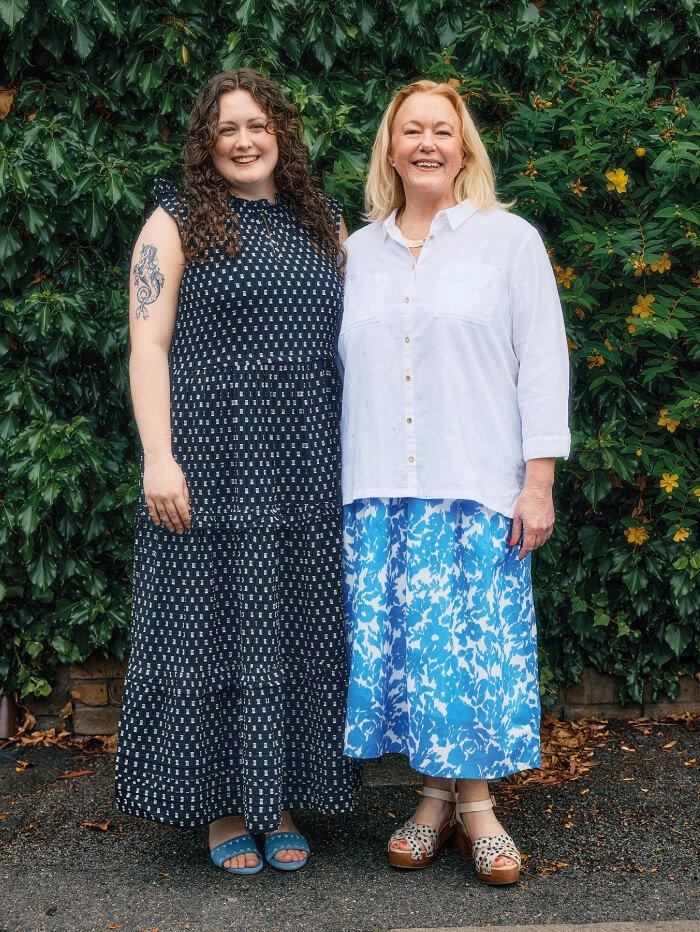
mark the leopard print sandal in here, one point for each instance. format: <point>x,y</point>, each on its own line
<point>487,848</point>
<point>424,841</point>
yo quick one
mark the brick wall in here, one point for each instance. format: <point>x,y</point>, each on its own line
<point>95,691</point>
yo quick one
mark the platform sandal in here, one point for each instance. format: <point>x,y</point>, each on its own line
<point>285,841</point>
<point>424,841</point>
<point>241,844</point>
<point>487,848</point>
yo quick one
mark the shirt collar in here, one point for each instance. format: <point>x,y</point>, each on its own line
<point>455,216</point>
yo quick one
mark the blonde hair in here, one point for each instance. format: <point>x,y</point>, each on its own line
<point>475,181</point>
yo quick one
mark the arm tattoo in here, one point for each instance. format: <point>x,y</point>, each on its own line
<point>148,279</point>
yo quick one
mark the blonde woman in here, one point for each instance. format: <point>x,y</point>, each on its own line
<point>455,406</point>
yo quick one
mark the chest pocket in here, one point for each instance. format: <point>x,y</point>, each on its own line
<point>363,299</point>
<point>467,292</point>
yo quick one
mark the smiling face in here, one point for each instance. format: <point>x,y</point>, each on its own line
<point>426,145</point>
<point>245,153</point>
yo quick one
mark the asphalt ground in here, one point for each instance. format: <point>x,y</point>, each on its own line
<point>618,844</point>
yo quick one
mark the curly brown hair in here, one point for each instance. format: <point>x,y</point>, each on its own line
<point>209,221</point>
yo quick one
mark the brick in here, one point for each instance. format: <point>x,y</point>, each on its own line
<point>116,691</point>
<point>575,693</point>
<point>605,710</point>
<point>689,689</point>
<point>664,709</point>
<point>90,692</point>
<point>600,687</point>
<point>98,668</point>
<point>95,720</point>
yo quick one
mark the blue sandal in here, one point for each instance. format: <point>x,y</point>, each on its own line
<point>241,844</point>
<point>280,841</point>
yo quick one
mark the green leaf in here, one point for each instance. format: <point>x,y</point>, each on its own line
<point>83,38</point>
<point>676,638</point>
<point>13,11</point>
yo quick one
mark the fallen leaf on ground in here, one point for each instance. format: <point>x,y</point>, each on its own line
<point>671,744</point>
<point>21,764</point>
<point>71,774</point>
<point>95,826</point>
<point>3,816</point>
<point>626,747</point>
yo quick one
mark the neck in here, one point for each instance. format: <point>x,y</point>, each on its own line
<point>421,208</point>
<point>254,192</point>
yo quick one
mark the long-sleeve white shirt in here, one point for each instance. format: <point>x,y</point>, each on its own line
<point>456,368</point>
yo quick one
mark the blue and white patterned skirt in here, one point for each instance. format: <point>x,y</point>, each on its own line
<point>442,638</point>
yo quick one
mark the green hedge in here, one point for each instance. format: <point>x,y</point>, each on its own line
<point>589,116</point>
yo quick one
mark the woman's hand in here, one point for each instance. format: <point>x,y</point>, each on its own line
<point>534,510</point>
<point>166,493</point>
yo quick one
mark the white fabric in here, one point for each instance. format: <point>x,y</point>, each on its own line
<point>456,369</point>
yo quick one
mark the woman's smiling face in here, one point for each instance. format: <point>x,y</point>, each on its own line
<point>245,153</point>
<point>426,144</point>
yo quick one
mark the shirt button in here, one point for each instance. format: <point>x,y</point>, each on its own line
<point>410,459</point>
<point>409,420</point>
<point>432,236</point>
<point>441,214</point>
<point>407,339</point>
<point>407,300</point>
<point>408,378</point>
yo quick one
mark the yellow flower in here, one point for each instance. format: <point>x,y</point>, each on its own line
<point>631,328</point>
<point>608,345</point>
<point>681,109</point>
<point>580,313</point>
<point>531,170</point>
<point>667,422</point>
<point>682,533</point>
<point>639,265</point>
<point>578,188</point>
<point>662,265</point>
<point>564,275</point>
<point>617,180</point>
<point>637,452</point>
<point>541,104</point>
<point>636,535</point>
<point>596,360</point>
<point>640,152</point>
<point>571,344</point>
<point>669,481</point>
<point>697,492</point>
<point>643,306</point>
<point>185,53</point>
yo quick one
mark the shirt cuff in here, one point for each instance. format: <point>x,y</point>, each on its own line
<point>540,447</point>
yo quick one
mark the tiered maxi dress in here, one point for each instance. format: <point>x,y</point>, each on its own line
<point>235,692</point>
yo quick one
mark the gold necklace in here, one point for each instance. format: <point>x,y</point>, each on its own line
<point>412,243</point>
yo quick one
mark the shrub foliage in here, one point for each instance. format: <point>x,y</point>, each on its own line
<point>589,115</point>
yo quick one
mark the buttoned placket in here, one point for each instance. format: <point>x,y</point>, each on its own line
<point>407,333</point>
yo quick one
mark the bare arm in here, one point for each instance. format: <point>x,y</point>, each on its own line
<point>156,272</point>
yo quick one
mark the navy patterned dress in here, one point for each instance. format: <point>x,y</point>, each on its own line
<point>235,693</point>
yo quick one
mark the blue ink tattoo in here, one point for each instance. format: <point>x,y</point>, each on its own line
<point>148,280</point>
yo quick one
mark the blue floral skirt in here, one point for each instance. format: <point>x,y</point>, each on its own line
<point>442,638</point>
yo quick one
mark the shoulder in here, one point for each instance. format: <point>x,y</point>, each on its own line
<point>511,236</point>
<point>168,197</point>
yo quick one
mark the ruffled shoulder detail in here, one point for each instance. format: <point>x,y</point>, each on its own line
<point>167,196</point>
<point>335,207</point>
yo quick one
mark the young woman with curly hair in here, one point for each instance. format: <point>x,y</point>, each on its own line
<point>234,704</point>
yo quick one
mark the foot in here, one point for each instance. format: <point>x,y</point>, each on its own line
<point>288,854</point>
<point>433,812</point>
<point>225,829</point>
<point>485,823</point>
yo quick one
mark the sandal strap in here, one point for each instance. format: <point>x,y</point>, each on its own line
<point>438,794</point>
<point>477,806</point>
<point>415,833</point>
<point>486,849</point>
<point>285,841</point>
<point>241,844</point>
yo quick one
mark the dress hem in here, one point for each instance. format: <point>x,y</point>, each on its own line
<point>467,773</point>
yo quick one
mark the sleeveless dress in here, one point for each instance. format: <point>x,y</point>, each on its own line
<point>235,693</point>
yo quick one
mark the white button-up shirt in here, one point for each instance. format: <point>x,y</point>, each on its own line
<point>456,368</point>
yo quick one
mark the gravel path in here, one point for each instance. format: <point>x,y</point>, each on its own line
<point>618,844</point>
